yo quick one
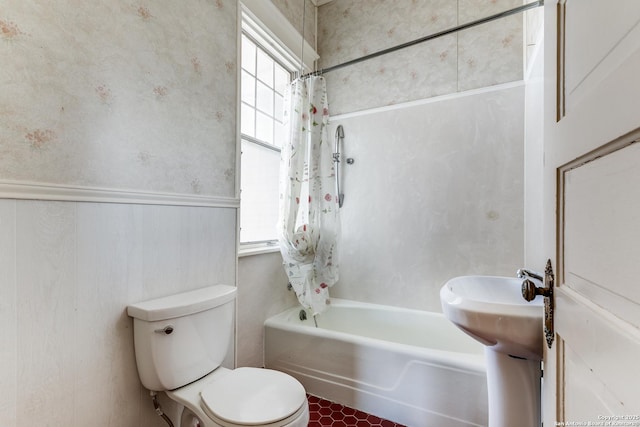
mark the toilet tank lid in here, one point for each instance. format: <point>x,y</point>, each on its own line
<point>182,304</point>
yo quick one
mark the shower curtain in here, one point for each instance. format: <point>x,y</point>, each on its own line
<point>308,224</point>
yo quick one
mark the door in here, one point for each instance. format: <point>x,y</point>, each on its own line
<point>592,211</point>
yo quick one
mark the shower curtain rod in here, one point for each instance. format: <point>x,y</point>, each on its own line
<point>490,18</point>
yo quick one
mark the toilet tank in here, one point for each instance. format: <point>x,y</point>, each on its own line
<point>182,337</point>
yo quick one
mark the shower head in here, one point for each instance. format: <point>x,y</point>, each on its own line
<point>340,131</point>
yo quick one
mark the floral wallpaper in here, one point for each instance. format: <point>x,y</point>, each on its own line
<point>293,11</point>
<point>482,56</point>
<point>119,94</point>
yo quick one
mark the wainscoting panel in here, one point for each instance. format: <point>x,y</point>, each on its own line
<point>67,341</point>
<point>46,301</point>
<point>8,313</point>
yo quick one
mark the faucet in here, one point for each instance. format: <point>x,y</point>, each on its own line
<point>524,273</point>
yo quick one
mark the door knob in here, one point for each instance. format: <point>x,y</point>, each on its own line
<point>530,290</point>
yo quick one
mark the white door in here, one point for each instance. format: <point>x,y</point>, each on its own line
<point>592,211</point>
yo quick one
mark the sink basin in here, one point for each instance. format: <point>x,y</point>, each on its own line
<point>491,310</point>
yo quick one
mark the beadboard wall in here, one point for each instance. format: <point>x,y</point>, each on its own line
<point>69,270</point>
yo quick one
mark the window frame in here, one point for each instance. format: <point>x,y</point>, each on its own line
<point>278,53</point>
<point>273,88</point>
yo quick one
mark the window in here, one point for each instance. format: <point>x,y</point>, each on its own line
<point>263,82</point>
<point>271,48</point>
<point>262,86</point>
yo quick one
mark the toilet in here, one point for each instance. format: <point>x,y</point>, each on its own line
<point>180,342</point>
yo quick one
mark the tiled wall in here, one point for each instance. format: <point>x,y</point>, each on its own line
<point>436,191</point>
<point>436,187</point>
<point>482,56</point>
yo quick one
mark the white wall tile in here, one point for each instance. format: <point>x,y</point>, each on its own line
<point>482,56</point>
<point>435,192</point>
<point>396,77</point>
<point>348,29</point>
<point>491,54</point>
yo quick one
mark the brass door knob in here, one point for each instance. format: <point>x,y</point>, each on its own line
<point>530,290</point>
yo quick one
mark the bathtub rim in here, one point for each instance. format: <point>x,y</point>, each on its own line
<point>449,359</point>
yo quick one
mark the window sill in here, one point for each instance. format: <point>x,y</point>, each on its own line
<point>257,249</point>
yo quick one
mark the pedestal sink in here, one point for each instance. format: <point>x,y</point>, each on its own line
<point>491,310</point>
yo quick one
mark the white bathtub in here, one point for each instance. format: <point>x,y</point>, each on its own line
<point>412,367</point>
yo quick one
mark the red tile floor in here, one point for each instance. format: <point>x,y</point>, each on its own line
<point>323,413</point>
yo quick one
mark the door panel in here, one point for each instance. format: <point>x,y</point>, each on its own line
<point>601,209</point>
<point>599,360</point>
<point>598,36</point>
<point>591,223</point>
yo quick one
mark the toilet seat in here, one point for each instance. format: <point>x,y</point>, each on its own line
<point>253,397</point>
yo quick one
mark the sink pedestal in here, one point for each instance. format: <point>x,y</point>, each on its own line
<point>514,390</point>
<point>491,310</point>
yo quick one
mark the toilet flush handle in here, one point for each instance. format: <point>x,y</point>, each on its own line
<point>166,330</point>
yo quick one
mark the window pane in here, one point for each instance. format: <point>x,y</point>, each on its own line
<point>278,134</point>
<point>261,118</point>
<point>264,127</point>
<point>278,108</point>
<point>265,99</point>
<point>259,184</point>
<point>265,68</point>
<point>248,88</point>
<point>247,120</point>
<point>248,55</point>
<point>281,79</point>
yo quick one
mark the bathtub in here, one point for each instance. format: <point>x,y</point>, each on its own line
<point>409,366</point>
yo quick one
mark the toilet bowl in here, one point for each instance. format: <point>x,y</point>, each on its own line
<point>242,397</point>
<point>208,394</point>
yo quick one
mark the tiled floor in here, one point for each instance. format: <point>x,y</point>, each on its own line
<point>323,413</point>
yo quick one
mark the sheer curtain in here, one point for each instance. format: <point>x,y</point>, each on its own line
<point>309,223</point>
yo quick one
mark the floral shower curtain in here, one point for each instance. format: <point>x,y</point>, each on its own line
<point>308,225</point>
